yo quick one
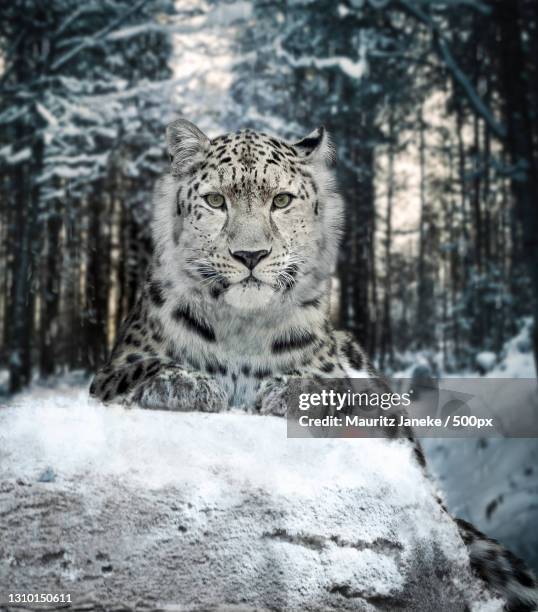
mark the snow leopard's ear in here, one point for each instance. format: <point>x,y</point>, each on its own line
<point>186,144</point>
<point>316,146</point>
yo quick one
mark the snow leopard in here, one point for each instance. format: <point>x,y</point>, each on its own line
<point>246,231</point>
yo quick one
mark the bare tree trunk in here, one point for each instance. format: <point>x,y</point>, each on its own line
<point>73,327</point>
<point>97,280</point>
<point>424,326</point>
<point>50,295</point>
<point>520,142</point>
<point>356,272</point>
<point>22,294</point>
<point>386,346</point>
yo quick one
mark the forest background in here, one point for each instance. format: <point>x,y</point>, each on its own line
<point>432,108</point>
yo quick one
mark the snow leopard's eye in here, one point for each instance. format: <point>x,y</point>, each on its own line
<point>282,200</point>
<point>215,200</point>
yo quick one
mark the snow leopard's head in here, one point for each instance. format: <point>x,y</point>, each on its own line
<point>246,217</point>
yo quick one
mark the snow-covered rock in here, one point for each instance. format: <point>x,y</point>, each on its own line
<point>196,511</point>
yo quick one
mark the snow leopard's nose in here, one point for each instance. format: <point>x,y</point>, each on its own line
<point>249,258</point>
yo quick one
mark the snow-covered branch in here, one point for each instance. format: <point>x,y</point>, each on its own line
<point>90,41</point>
<point>352,68</point>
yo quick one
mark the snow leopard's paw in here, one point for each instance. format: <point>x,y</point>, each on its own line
<point>271,398</point>
<point>280,396</point>
<point>176,389</point>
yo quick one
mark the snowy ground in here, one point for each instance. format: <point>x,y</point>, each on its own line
<point>199,510</point>
<point>514,361</point>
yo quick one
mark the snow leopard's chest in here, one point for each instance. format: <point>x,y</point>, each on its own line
<point>241,364</point>
<point>242,354</point>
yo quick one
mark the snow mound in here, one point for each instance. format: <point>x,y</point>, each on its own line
<point>517,356</point>
<point>486,361</point>
<point>199,510</point>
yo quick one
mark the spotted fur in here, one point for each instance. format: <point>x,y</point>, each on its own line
<point>210,332</point>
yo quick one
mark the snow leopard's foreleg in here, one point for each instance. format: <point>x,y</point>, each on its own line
<point>154,384</point>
